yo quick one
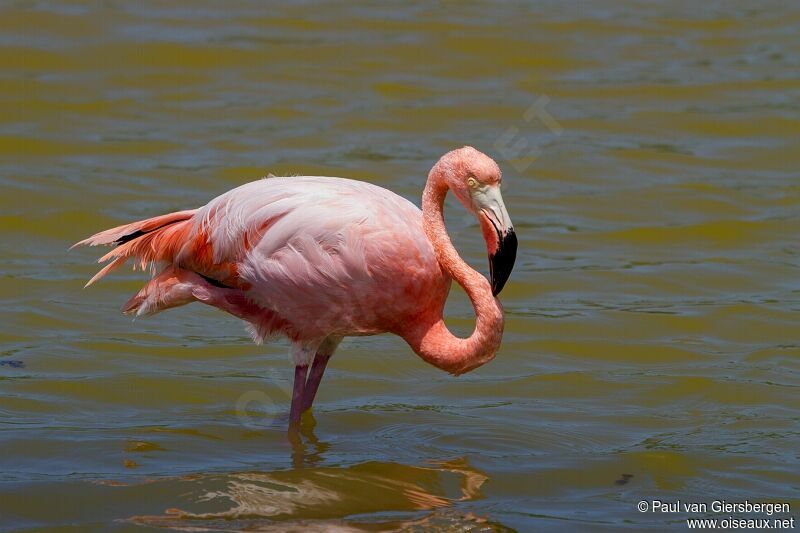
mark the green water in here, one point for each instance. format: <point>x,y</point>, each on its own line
<point>651,351</point>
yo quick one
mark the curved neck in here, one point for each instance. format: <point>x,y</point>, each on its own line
<point>431,339</point>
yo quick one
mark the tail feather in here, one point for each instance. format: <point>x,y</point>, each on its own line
<point>126,232</point>
<point>155,239</point>
<point>116,263</point>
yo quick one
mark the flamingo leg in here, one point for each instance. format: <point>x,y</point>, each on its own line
<point>314,379</point>
<point>300,372</point>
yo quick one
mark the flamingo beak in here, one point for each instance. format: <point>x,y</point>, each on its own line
<point>501,241</point>
<point>501,263</point>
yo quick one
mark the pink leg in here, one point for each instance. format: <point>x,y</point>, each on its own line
<point>314,378</point>
<point>300,372</point>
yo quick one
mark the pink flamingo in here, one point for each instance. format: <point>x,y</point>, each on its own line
<point>320,258</point>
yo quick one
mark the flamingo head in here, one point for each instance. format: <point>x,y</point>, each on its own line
<point>475,179</point>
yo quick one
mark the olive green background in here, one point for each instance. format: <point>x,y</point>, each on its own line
<point>651,350</point>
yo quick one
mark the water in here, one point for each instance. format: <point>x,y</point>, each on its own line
<point>651,350</point>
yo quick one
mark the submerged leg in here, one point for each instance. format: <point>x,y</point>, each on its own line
<point>323,355</point>
<point>300,372</point>
<point>314,378</point>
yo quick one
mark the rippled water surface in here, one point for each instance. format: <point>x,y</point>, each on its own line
<point>651,350</point>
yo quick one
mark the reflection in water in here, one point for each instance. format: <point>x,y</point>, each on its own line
<point>325,496</point>
<point>434,521</point>
<point>311,454</point>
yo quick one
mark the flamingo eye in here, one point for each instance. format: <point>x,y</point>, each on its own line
<point>473,183</point>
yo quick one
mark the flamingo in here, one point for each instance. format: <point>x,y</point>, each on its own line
<point>319,258</point>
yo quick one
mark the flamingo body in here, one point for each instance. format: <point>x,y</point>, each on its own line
<point>322,256</point>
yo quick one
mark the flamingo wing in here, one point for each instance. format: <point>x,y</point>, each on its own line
<point>307,256</point>
<point>326,254</point>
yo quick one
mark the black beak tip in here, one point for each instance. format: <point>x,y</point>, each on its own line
<point>502,262</point>
<point>495,289</point>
